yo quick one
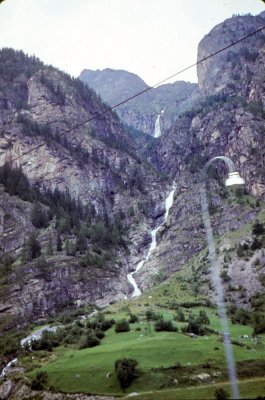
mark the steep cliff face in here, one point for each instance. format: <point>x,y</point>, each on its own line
<point>101,198</point>
<point>61,138</point>
<point>114,86</point>
<point>237,70</point>
<point>229,120</point>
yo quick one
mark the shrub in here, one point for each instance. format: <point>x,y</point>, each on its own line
<point>90,340</point>
<point>39,382</point>
<point>162,325</point>
<point>46,342</point>
<point>152,316</point>
<point>180,316</point>
<point>99,334</point>
<point>241,316</point>
<point>122,326</point>
<point>259,323</point>
<point>256,244</point>
<point>107,324</point>
<point>133,318</point>
<point>224,276</point>
<point>204,317</point>
<point>126,371</point>
<point>195,326</point>
<point>221,394</point>
<point>258,228</point>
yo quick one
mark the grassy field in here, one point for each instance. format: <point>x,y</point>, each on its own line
<point>92,370</point>
<point>249,389</point>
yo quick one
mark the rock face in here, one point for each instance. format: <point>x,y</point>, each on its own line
<point>52,136</point>
<point>22,390</point>
<point>229,121</point>
<point>63,139</point>
<point>114,86</point>
<point>237,70</point>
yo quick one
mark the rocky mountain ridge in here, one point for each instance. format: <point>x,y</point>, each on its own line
<point>229,120</point>
<point>61,137</point>
<point>47,137</point>
<point>141,112</point>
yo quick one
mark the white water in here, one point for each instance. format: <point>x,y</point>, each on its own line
<point>130,278</point>
<point>158,130</point>
<point>9,365</point>
<point>27,341</point>
<point>157,127</point>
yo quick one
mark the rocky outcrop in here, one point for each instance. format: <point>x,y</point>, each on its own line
<point>21,390</point>
<point>54,137</point>
<point>63,137</point>
<point>237,70</point>
<point>225,122</point>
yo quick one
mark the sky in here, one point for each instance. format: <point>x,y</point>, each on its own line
<point>151,38</point>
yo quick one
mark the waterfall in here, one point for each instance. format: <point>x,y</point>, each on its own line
<point>10,364</point>
<point>168,204</point>
<point>157,127</point>
<point>158,130</point>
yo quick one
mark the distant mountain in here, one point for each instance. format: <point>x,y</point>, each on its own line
<point>141,112</point>
<point>113,85</point>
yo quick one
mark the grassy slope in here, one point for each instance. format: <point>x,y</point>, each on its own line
<point>92,370</point>
<point>87,370</point>
<point>249,389</point>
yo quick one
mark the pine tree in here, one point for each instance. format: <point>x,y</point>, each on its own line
<point>59,242</point>
<point>33,247</point>
<point>50,249</point>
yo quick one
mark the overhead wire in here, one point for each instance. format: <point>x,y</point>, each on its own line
<point>111,108</point>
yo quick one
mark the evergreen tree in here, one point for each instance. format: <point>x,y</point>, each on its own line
<point>59,242</point>
<point>33,247</point>
<point>50,249</point>
<point>39,217</point>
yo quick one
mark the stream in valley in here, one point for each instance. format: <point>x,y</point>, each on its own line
<point>130,277</point>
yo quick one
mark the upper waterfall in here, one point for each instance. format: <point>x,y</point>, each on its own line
<point>158,125</point>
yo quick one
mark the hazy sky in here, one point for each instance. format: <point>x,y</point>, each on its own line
<point>152,38</point>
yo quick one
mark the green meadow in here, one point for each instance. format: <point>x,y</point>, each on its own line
<point>168,362</point>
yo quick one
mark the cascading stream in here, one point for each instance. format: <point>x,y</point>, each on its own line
<point>168,204</point>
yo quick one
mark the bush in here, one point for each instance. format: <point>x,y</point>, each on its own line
<point>46,342</point>
<point>258,228</point>
<point>180,316</point>
<point>204,317</point>
<point>162,325</point>
<point>241,316</point>
<point>39,382</point>
<point>107,324</point>
<point>221,394</point>
<point>122,326</point>
<point>90,340</point>
<point>195,326</point>
<point>259,323</point>
<point>99,334</point>
<point>133,318</point>
<point>126,371</point>
<point>152,316</point>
